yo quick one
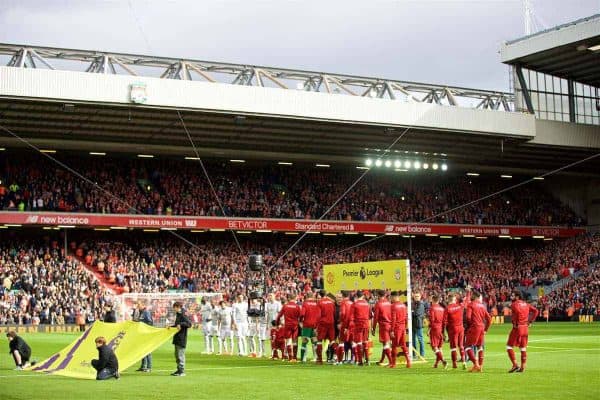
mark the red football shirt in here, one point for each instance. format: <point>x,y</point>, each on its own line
<point>399,315</point>
<point>291,312</point>
<point>360,313</point>
<point>453,316</point>
<point>521,311</point>
<point>478,316</point>
<point>436,317</point>
<point>327,308</point>
<point>310,314</point>
<point>345,311</point>
<point>383,312</point>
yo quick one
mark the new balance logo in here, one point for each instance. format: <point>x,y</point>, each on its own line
<point>32,219</point>
<point>389,228</point>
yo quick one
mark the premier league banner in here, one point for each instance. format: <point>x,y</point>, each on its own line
<point>390,275</point>
<point>129,340</point>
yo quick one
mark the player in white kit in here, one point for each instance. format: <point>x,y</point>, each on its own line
<point>272,308</point>
<point>206,313</point>
<point>263,334</point>
<point>240,324</point>
<point>214,331</point>
<point>253,330</point>
<point>224,322</point>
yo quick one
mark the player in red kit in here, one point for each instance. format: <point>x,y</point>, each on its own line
<point>436,330</point>
<point>326,323</point>
<point>383,317</point>
<point>360,316</point>
<point>291,313</point>
<point>310,316</point>
<point>453,322</point>
<point>523,315</point>
<point>478,321</point>
<point>345,334</point>
<point>277,340</point>
<point>398,331</point>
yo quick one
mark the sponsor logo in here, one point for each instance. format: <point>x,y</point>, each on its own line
<point>550,232</point>
<point>330,278</point>
<point>190,223</point>
<point>397,274</point>
<point>389,228</point>
<point>247,224</point>
<point>363,273</point>
<point>32,219</point>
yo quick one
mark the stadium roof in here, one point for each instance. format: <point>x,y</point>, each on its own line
<point>116,129</point>
<point>569,51</point>
<point>94,111</point>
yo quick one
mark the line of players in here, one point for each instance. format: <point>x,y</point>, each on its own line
<point>346,323</point>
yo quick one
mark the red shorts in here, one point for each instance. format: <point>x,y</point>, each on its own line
<point>290,332</point>
<point>279,344</point>
<point>384,332</point>
<point>325,331</point>
<point>436,337</point>
<point>456,337</point>
<point>475,336</point>
<point>519,336</point>
<point>346,333</point>
<point>360,334</point>
<point>399,336</point>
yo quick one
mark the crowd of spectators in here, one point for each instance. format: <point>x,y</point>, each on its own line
<point>495,268</point>
<point>41,286</point>
<point>579,296</point>
<point>38,285</point>
<point>169,187</point>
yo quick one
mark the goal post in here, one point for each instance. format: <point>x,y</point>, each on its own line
<point>161,305</point>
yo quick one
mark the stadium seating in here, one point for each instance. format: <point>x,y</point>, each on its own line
<point>38,275</point>
<point>40,286</point>
<point>172,187</point>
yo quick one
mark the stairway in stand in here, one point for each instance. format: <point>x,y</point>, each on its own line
<point>113,287</point>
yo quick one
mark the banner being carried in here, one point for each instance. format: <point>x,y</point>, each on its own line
<point>130,341</point>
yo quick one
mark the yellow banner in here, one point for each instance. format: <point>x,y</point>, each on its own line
<point>392,275</point>
<point>130,341</point>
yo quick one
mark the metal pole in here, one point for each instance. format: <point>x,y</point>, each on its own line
<point>571,94</point>
<point>409,311</point>
<point>524,90</point>
<point>65,229</point>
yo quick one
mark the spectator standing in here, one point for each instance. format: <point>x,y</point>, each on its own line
<point>418,315</point>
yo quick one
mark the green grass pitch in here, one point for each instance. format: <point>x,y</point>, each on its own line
<point>563,362</point>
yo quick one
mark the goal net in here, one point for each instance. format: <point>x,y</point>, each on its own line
<point>160,305</point>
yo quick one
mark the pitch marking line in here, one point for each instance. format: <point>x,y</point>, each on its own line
<point>289,365</point>
<point>162,370</point>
